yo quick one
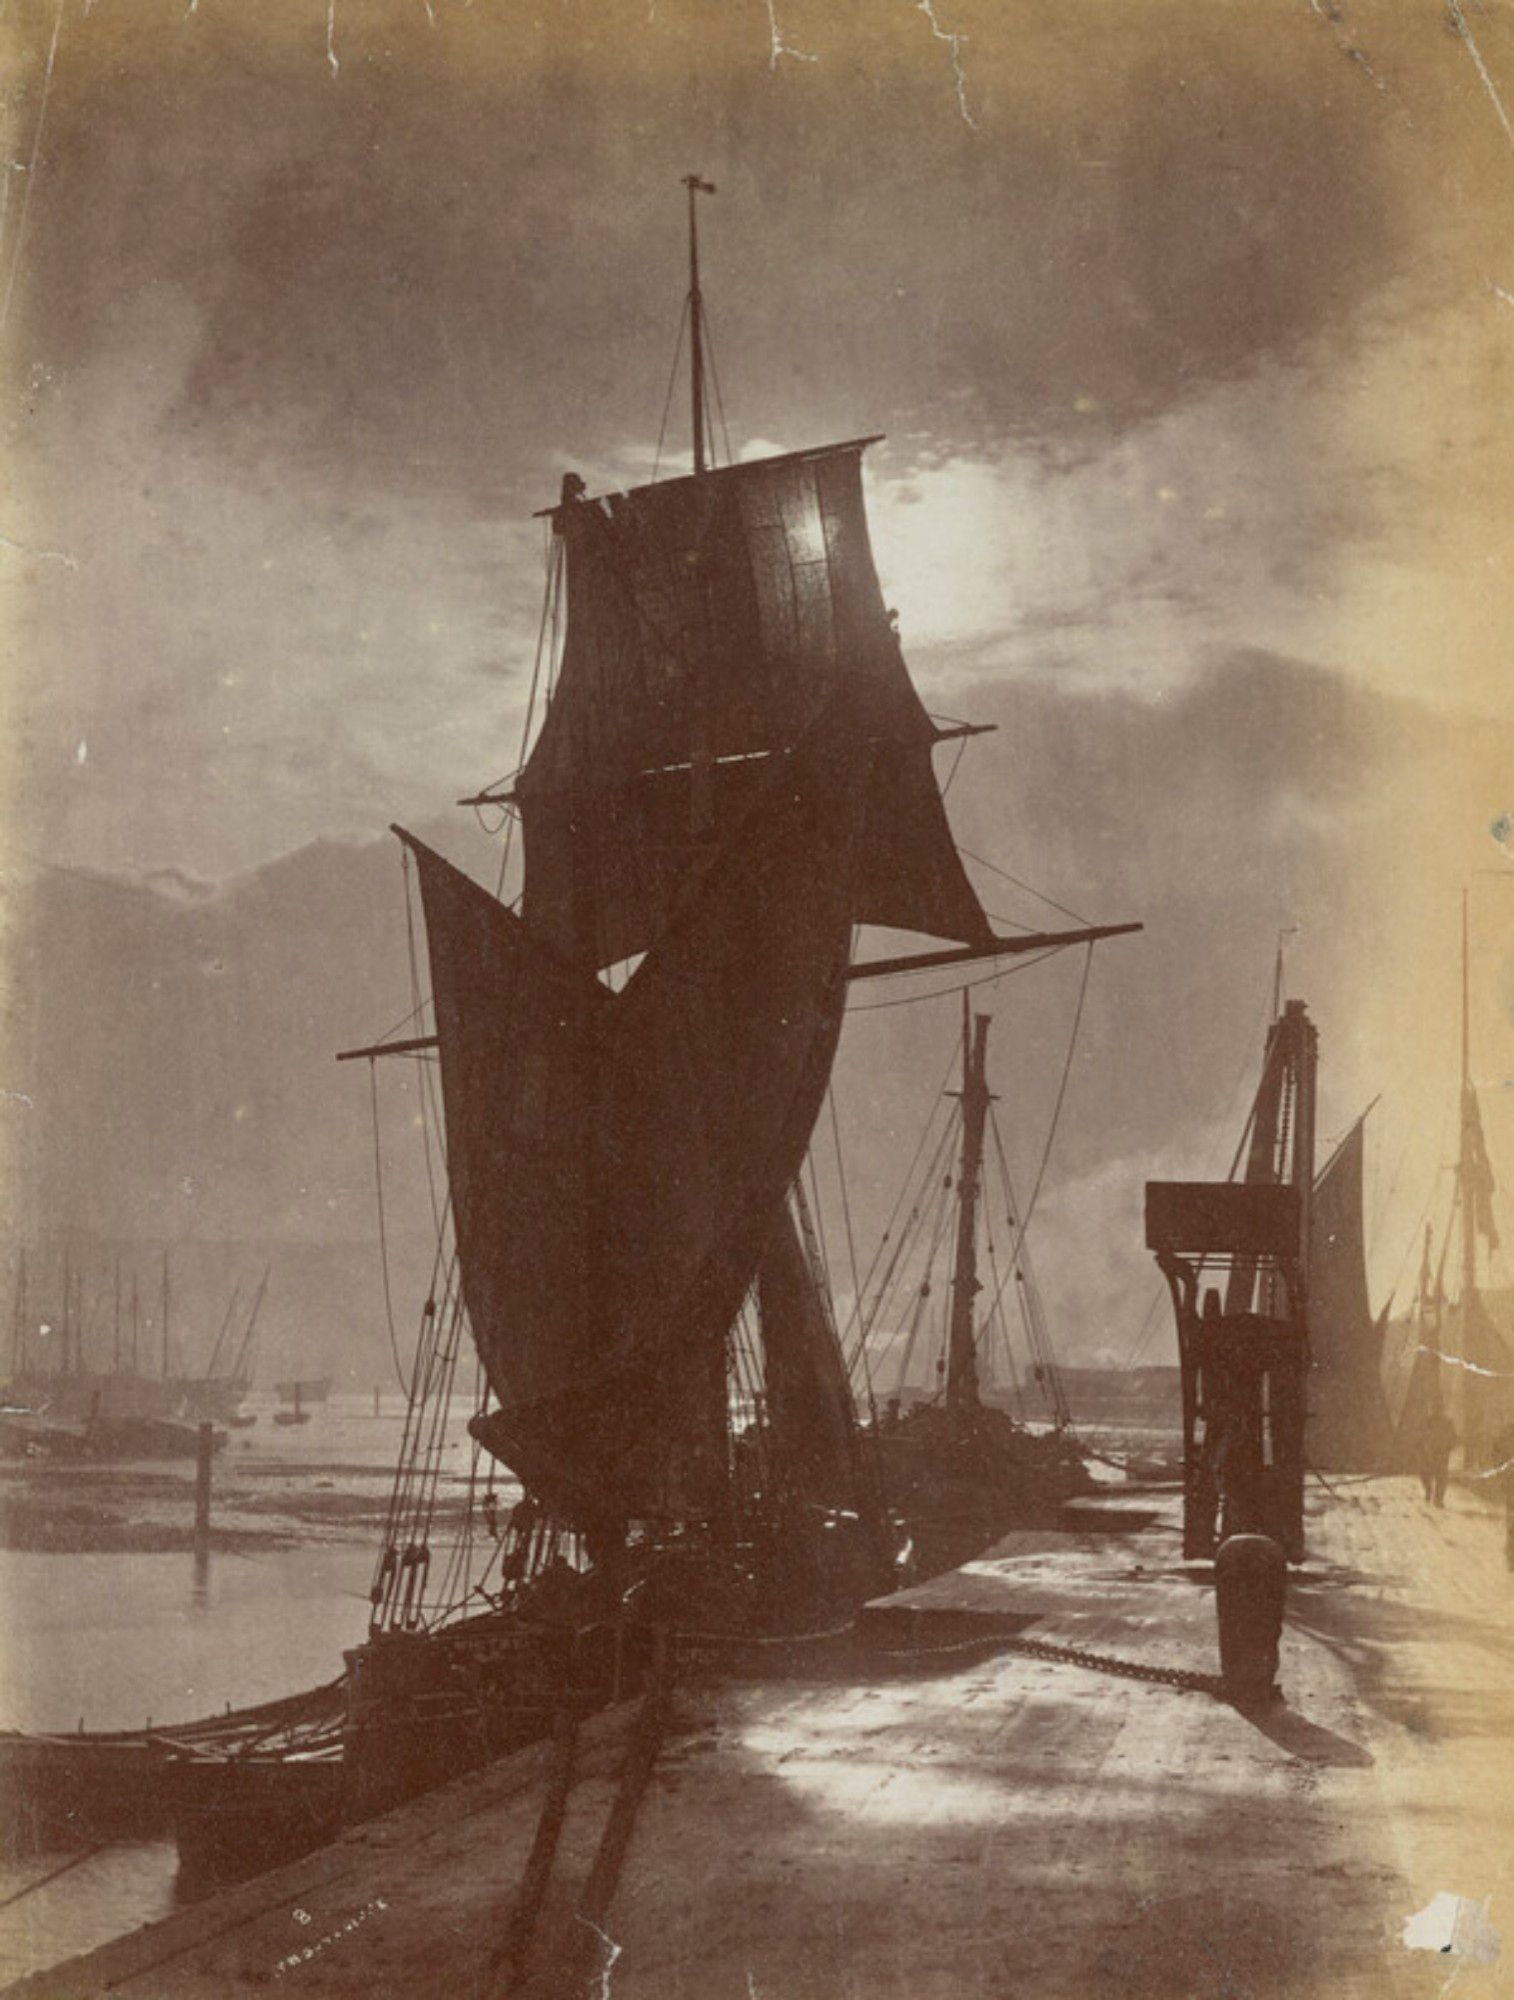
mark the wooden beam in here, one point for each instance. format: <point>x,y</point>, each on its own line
<point>944,733</point>
<point>999,947</point>
<point>410,1048</point>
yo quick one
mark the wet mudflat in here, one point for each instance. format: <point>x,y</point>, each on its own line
<point>1009,1826</point>
<point>112,1619</point>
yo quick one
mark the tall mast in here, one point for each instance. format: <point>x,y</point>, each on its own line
<point>165,1312</point>
<point>1464,1170</point>
<point>116,1319</point>
<point>696,187</point>
<point>962,1358</point>
<point>18,1358</point>
<point>135,1321</point>
<point>68,1287</point>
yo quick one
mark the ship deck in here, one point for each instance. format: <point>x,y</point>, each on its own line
<point>980,1826</point>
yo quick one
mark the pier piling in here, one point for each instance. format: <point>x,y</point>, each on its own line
<point>205,1449</point>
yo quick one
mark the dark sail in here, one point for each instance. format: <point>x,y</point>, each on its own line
<point>616,1160</point>
<point>710,621</point>
<point>1349,1426</point>
<point>809,1400</point>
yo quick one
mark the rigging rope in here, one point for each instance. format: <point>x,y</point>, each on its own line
<point>1056,1116</point>
<point>966,986</point>
<point>662,428</point>
<point>378,1180</point>
<point>1029,888</point>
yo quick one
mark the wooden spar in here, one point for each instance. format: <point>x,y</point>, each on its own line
<point>746,465</point>
<point>962,1357</point>
<point>999,947</point>
<point>1464,1172</point>
<point>949,734</point>
<point>875,968</point>
<point>405,1048</point>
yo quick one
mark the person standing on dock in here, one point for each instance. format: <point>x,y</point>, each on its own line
<point>1437,1442</point>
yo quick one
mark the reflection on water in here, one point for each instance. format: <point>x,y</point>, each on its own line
<point>111,1640</point>
<point>108,1640</point>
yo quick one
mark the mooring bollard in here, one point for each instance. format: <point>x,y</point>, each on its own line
<point>1250,1581</point>
<point>203,1454</point>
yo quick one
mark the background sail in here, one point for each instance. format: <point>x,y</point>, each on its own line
<point>1349,1426</point>
<point>709,622</point>
<point>809,1403</point>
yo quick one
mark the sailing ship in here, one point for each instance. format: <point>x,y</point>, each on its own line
<point>957,1466</point>
<point>127,1409</point>
<point>732,777</point>
<point>733,774</point>
<point>1349,1427</point>
<point>1460,1363</point>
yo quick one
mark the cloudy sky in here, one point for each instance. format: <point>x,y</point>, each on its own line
<point>1190,327</point>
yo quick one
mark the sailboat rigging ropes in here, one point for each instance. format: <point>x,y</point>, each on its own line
<point>957,986</point>
<point>378,1181</point>
<point>662,428</point>
<point>1051,1130</point>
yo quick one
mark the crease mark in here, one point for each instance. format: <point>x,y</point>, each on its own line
<point>609,1965</point>
<point>31,168</point>
<point>40,555</point>
<point>955,44</point>
<point>780,47</point>
<point>1459,23</point>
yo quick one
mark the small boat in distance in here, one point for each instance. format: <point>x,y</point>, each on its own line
<point>294,1395</point>
<point>308,1389</point>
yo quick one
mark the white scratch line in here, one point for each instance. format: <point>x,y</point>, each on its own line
<point>331,37</point>
<point>430,12</point>
<point>1495,1471</point>
<point>31,167</point>
<point>19,1097</point>
<point>1453,7</point>
<point>40,555</point>
<point>609,1964</point>
<point>955,44</point>
<point>1472,1367</point>
<point>1330,14</point>
<point>780,47</point>
<point>1499,293</point>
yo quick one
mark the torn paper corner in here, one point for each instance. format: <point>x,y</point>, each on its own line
<point>1457,1926</point>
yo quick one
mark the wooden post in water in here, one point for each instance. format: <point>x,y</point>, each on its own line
<point>203,1454</point>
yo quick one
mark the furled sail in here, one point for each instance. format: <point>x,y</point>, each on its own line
<point>616,1159</point>
<point>809,1400</point>
<point>710,621</point>
<point>1349,1426</point>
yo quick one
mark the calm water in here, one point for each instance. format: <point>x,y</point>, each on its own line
<point>113,1639</point>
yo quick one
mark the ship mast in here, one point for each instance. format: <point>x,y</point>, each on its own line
<point>1465,1176</point>
<point>962,1358</point>
<point>696,187</point>
<point>19,1356</point>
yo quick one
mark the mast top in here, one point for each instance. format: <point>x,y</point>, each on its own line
<point>696,186</point>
